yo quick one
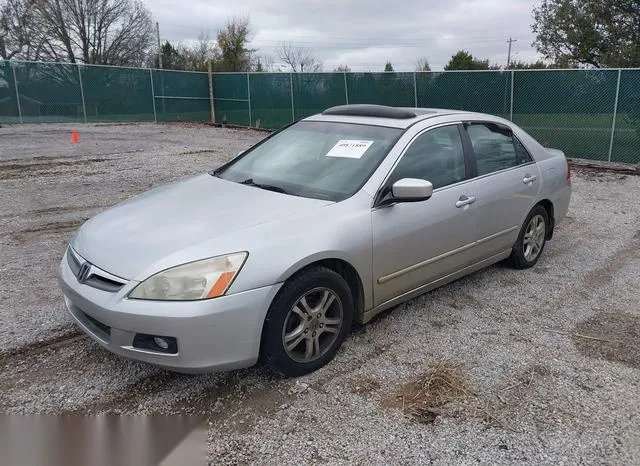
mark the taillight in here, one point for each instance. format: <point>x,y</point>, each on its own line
<point>568,171</point>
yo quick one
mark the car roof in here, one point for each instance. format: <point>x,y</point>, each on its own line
<point>382,115</point>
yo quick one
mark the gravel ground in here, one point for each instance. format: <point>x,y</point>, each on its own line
<point>551,354</point>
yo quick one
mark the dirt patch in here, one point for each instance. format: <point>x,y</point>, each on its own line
<point>55,227</point>
<point>65,335</point>
<point>606,273</point>
<point>128,398</point>
<point>199,151</point>
<point>55,210</point>
<point>444,322</point>
<point>21,170</point>
<point>22,236</point>
<point>364,386</point>
<point>594,167</point>
<point>465,300</point>
<point>612,336</point>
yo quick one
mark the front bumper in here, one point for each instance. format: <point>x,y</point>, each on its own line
<point>217,334</point>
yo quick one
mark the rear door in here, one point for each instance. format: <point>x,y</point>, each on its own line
<point>506,187</point>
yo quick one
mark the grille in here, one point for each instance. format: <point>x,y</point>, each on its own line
<point>74,264</point>
<point>96,278</point>
<point>103,283</point>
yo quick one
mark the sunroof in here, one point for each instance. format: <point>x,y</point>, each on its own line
<point>367,110</point>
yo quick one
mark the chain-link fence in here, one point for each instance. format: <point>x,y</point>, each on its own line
<point>589,114</point>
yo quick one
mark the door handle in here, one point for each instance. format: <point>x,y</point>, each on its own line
<point>465,200</point>
<point>529,178</point>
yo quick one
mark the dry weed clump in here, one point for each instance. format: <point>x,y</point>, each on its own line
<point>443,383</point>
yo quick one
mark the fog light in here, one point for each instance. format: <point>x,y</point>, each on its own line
<point>158,343</point>
<point>161,342</point>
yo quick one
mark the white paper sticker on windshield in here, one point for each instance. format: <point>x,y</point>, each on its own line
<point>349,148</point>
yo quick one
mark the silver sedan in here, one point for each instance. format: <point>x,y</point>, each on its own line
<point>331,220</point>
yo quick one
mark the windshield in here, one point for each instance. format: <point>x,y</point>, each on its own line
<point>323,160</point>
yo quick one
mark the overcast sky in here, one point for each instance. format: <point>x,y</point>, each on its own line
<point>364,34</point>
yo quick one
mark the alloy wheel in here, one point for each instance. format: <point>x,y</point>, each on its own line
<point>534,237</point>
<point>312,325</point>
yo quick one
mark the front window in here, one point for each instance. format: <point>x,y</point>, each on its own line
<point>436,155</point>
<point>323,160</point>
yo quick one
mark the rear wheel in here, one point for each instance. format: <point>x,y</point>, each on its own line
<point>531,240</point>
<point>307,322</point>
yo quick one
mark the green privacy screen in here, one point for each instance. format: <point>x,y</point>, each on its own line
<point>117,94</point>
<point>181,96</point>
<point>395,89</point>
<point>487,92</point>
<point>589,114</point>
<point>60,92</point>
<point>49,92</point>
<point>271,100</point>
<point>8,102</point>
<point>572,110</point>
<point>626,139</point>
<point>231,98</point>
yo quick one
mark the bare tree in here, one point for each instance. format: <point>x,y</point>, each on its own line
<point>197,54</point>
<point>262,63</point>
<point>16,28</point>
<point>107,32</point>
<point>422,64</point>
<point>342,69</point>
<point>299,59</point>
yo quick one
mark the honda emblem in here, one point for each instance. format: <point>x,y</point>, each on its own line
<point>84,272</point>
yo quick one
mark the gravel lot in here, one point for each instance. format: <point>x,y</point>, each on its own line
<point>550,356</point>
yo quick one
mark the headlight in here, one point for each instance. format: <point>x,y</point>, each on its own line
<point>205,279</point>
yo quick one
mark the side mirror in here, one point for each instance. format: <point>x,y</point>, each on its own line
<point>408,190</point>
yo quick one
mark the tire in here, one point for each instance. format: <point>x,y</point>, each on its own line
<point>525,253</point>
<point>289,320</point>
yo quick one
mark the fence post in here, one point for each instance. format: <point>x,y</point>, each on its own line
<point>615,115</point>
<point>153,96</point>
<point>84,108</point>
<point>415,90</point>
<point>211,103</point>
<point>249,98</point>
<point>15,84</point>
<point>293,108</point>
<point>511,106</point>
<point>346,89</point>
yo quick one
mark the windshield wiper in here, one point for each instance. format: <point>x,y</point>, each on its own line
<point>268,187</point>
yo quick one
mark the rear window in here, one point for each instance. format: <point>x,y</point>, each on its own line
<point>496,148</point>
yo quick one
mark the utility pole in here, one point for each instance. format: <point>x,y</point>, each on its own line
<point>160,47</point>
<point>510,41</point>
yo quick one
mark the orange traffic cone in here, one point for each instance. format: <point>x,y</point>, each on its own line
<point>75,137</point>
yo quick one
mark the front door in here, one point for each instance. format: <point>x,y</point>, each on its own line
<point>415,243</point>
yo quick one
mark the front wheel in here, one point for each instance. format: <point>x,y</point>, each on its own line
<point>307,322</point>
<point>531,240</point>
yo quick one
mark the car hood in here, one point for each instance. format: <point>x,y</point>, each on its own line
<point>137,233</point>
